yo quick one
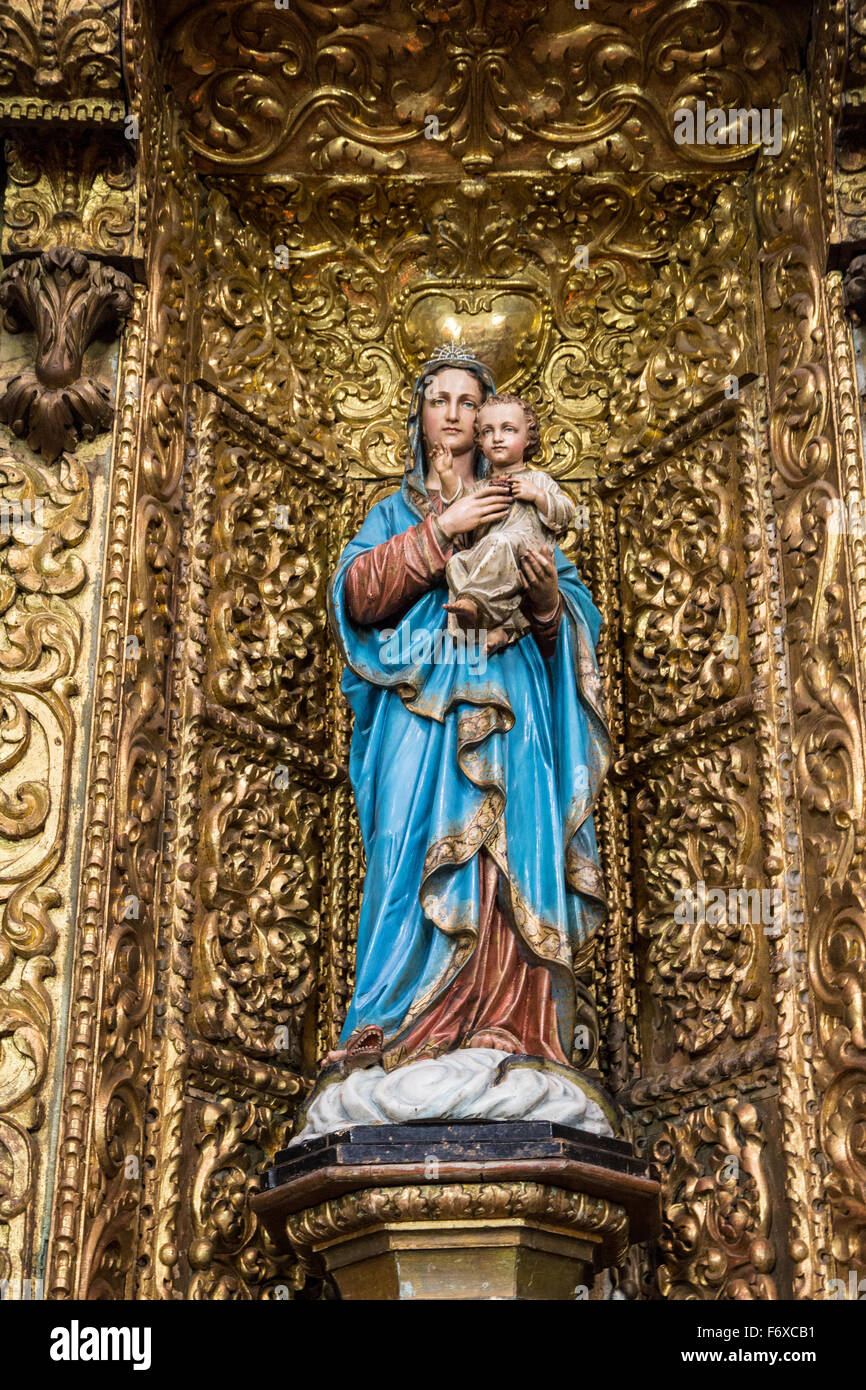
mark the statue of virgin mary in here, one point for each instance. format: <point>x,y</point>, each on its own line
<point>475,782</point>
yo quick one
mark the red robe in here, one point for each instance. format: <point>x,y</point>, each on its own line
<point>502,996</point>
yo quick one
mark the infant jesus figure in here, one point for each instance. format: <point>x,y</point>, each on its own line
<point>485,581</point>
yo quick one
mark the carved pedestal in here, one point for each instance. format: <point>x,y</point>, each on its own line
<point>460,1211</point>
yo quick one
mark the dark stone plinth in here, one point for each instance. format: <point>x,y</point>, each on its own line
<point>457,1141</point>
<point>365,1156</point>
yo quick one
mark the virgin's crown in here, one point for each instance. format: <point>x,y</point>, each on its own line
<point>453,352</point>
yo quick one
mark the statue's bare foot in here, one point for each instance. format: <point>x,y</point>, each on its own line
<point>497,637</point>
<point>465,613</point>
<point>364,1049</point>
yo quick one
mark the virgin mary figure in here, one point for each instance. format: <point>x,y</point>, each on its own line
<point>475,781</point>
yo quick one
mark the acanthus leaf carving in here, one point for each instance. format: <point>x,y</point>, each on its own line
<point>60,47</point>
<point>67,300</point>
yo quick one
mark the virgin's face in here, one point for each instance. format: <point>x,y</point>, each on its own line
<point>451,402</point>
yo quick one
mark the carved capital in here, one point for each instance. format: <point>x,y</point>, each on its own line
<point>67,300</point>
<point>61,61</point>
<point>80,194</point>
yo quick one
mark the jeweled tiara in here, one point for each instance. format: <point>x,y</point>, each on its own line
<point>453,352</point>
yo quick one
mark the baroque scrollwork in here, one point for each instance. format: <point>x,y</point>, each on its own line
<point>523,1200</point>
<point>267,625</point>
<point>837,961</point>
<point>262,865</point>
<point>717,1239</point>
<point>577,92</point>
<point>692,336</point>
<point>229,1256</point>
<point>822,576</point>
<point>60,193</point>
<point>700,825</point>
<point>625,341</point>
<point>45,518</point>
<point>105,1156</point>
<point>60,48</point>
<point>683,572</point>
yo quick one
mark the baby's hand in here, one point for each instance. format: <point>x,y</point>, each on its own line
<point>525,490</point>
<point>442,459</point>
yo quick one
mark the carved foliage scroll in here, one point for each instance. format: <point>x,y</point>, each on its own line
<point>260,884</point>
<point>718,1239</point>
<point>267,624</point>
<point>59,49</point>
<point>704,968</point>
<point>683,573</point>
<point>523,86</point>
<point>47,557</point>
<point>68,192</point>
<point>228,1255</point>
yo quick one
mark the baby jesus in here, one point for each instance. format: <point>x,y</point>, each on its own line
<point>485,581</point>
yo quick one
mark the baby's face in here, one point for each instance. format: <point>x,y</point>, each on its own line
<point>503,434</point>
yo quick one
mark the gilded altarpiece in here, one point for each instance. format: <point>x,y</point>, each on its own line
<point>182,882</point>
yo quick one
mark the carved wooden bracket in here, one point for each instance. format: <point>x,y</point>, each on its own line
<point>67,299</point>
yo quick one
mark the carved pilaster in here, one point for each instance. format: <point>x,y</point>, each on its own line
<point>815,464</point>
